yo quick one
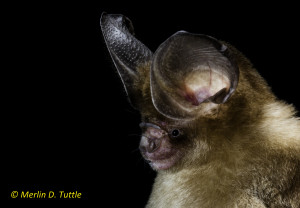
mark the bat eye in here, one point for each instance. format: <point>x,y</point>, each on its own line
<point>175,133</point>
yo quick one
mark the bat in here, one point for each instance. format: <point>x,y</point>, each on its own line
<point>211,126</point>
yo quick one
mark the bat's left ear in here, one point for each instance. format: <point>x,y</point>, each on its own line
<point>190,71</point>
<point>129,54</point>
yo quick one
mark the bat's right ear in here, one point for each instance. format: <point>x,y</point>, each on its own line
<point>128,54</point>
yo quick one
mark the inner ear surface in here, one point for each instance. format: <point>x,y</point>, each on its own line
<point>202,85</point>
<point>192,69</point>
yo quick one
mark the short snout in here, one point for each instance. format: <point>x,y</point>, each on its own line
<point>149,144</point>
<point>151,139</point>
<point>156,147</point>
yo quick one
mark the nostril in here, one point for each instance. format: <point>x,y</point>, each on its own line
<point>153,144</point>
<point>149,144</point>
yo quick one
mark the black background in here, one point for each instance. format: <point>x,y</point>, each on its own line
<point>69,126</point>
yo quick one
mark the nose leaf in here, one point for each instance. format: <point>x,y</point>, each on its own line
<point>149,145</point>
<point>153,144</point>
<point>151,140</point>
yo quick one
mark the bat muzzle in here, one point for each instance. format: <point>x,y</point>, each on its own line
<point>156,148</point>
<point>152,138</point>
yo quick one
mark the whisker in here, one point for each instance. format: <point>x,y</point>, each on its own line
<point>140,159</point>
<point>135,150</point>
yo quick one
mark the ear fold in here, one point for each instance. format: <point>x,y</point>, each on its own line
<point>128,54</point>
<point>188,70</point>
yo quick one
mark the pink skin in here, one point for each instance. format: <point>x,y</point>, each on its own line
<point>197,97</point>
<point>155,147</point>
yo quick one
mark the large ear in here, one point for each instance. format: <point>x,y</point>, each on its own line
<point>128,54</point>
<point>190,71</point>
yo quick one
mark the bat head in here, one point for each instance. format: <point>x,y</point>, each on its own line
<point>178,89</point>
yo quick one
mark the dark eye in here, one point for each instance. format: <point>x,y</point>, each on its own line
<point>175,133</point>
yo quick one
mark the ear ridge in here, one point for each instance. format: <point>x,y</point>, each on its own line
<point>129,55</point>
<point>195,72</point>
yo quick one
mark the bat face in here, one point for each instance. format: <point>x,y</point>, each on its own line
<point>156,146</point>
<point>178,89</point>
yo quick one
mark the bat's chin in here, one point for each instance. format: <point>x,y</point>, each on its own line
<point>163,164</point>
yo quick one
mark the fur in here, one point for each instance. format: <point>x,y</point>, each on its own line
<point>242,153</point>
<point>246,155</point>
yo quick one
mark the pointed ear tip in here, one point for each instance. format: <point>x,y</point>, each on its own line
<point>102,18</point>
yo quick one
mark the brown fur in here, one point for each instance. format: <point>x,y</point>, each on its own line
<point>245,153</point>
<point>242,153</point>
